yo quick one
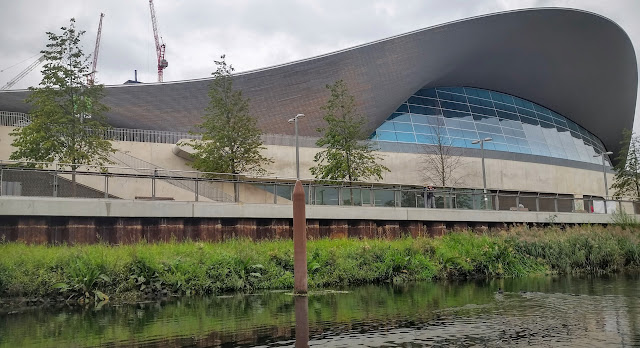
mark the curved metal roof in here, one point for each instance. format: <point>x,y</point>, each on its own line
<point>576,63</point>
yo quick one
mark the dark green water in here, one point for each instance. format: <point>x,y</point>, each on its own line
<point>553,312</point>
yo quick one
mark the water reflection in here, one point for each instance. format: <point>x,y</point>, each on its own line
<point>302,321</point>
<point>539,311</point>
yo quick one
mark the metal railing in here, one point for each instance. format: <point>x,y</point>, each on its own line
<point>19,119</point>
<point>205,189</point>
<point>54,180</point>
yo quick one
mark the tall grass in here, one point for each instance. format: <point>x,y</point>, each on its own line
<point>156,270</point>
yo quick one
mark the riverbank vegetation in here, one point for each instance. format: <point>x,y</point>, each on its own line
<point>131,272</point>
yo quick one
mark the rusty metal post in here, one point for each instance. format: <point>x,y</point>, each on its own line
<point>299,241</point>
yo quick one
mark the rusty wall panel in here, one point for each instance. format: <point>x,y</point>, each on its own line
<point>338,229</point>
<point>116,230</point>
<point>313,229</point>
<point>81,230</point>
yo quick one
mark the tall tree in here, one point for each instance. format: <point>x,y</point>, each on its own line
<point>348,155</point>
<point>627,179</point>
<point>67,122</point>
<point>231,140</point>
<point>442,163</point>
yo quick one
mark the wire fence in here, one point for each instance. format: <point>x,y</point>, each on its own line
<point>153,183</point>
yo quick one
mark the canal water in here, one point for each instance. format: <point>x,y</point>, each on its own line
<point>535,311</point>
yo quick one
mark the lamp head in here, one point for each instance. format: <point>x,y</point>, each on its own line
<point>475,142</point>
<point>487,139</point>
<point>291,120</point>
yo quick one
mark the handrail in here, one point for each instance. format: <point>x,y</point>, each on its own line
<point>317,191</point>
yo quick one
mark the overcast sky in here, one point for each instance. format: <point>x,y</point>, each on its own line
<point>252,33</point>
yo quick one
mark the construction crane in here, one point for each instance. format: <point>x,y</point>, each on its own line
<point>92,76</point>
<point>23,73</point>
<point>160,47</point>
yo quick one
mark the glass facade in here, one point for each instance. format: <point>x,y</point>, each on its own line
<point>457,116</point>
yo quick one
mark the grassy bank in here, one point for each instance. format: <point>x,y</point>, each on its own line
<point>154,270</point>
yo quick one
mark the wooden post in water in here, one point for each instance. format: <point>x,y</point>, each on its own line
<point>299,241</point>
<point>302,321</point>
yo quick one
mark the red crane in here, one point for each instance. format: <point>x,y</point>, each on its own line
<point>92,76</point>
<point>162,63</point>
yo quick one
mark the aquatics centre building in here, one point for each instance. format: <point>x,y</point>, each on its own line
<point>552,87</point>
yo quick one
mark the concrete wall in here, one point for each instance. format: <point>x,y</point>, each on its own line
<point>405,169</point>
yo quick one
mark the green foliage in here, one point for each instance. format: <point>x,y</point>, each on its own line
<point>88,273</point>
<point>231,140</point>
<point>622,219</point>
<point>67,121</point>
<point>347,154</point>
<point>627,179</point>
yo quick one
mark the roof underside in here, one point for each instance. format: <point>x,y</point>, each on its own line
<point>578,64</point>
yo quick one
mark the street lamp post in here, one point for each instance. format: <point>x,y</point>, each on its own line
<point>295,122</point>
<point>604,174</point>
<point>484,176</point>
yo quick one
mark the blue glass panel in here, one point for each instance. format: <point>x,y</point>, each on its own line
<point>482,111</point>
<point>423,101</point>
<point>488,128</point>
<point>457,114</point>
<point>406,137</point>
<point>495,137</point>
<point>500,147</point>
<point>525,150</point>
<point>508,115</point>
<point>452,97</point>
<point>451,122</point>
<point>456,133</point>
<point>488,120</point>
<point>511,141</point>
<point>402,108</point>
<point>387,136</point>
<point>562,123</point>
<point>424,110</point>
<point>572,126</point>
<point>510,124</point>
<point>545,118</point>
<point>425,139</point>
<point>500,97</point>
<point>421,128</point>
<point>436,121</point>
<point>419,119</point>
<point>467,125</point>
<point>529,120</point>
<point>480,102</point>
<point>469,143</point>
<point>505,107</point>
<point>523,103</point>
<point>527,127</point>
<point>541,110</point>
<point>400,117</point>
<point>403,127</point>
<point>457,142</point>
<point>470,134</point>
<point>471,91</point>
<point>509,131</point>
<point>489,145</point>
<point>526,112</point>
<point>459,90</point>
<point>387,126</point>
<point>454,106</point>
<point>429,92</point>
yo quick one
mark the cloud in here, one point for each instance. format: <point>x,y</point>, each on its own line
<point>253,34</point>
